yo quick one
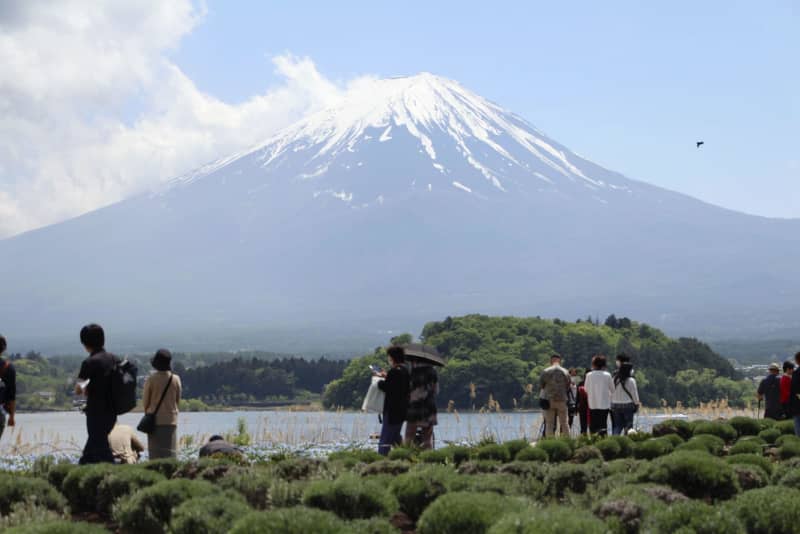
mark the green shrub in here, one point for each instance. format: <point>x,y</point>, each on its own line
<point>501,483</point>
<point>636,437</point>
<point>673,426</point>
<point>58,527</point>
<point>745,426</point>
<point>551,520</point>
<point>435,456</point>
<point>384,467</point>
<point>652,448</point>
<point>255,487</point>
<point>770,435</point>
<point>80,485</point>
<point>299,468</point>
<point>693,517</point>
<point>350,497</point>
<point>298,520</point>
<point>556,450</point>
<point>122,482</point>
<point>748,446</point>
<point>457,453</point>
<point>789,449</point>
<point>587,453</point>
<point>623,466</point>
<point>370,526</point>
<point>771,510</point>
<point>416,489</point>
<point>675,439</point>
<point>29,511</point>
<point>352,457</point>
<point>785,427</point>
<point>492,451</point>
<point>16,489</point>
<point>150,510</point>
<point>532,454</point>
<point>569,477</point>
<point>402,453</point>
<point>514,446</point>
<point>696,474</point>
<point>790,479</point>
<point>480,466</point>
<point>57,474</point>
<point>751,459</point>
<point>716,428</point>
<point>704,442</point>
<point>208,515</point>
<point>626,508</point>
<point>165,466</point>
<point>464,512</point>
<point>750,476</point>
<point>524,469</point>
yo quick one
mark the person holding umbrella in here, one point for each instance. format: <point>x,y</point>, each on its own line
<point>422,412</point>
<point>395,385</point>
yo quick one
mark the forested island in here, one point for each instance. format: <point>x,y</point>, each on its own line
<point>493,362</point>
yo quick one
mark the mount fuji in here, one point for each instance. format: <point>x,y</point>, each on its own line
<point>411,199</point>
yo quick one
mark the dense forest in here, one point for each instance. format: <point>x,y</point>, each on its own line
<point>499,359</point>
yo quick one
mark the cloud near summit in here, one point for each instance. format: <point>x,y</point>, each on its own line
<point>92,109</point>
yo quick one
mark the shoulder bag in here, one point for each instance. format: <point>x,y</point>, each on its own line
<point>148,422</point>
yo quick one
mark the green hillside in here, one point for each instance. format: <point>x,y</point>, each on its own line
<point>501,358</point>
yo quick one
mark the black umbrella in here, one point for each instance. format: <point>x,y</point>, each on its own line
<point>428,353</point>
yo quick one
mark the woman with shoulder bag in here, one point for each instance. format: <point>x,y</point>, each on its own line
<point>162,394</point>
<point>625,400</point>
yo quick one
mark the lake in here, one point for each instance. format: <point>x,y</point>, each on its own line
<point>64,433</point>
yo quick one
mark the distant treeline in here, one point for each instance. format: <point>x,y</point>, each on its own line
<point>247,380</point>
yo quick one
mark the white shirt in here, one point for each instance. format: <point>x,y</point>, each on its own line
<point>620,397</point>
<point>599,388</point>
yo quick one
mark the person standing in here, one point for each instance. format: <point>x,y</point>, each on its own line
<point>583,403</point>
<point>786,387</point>
<point>572,398</point>
<point>8,389</point>
<point>769,390</point>
<point>162,395</point>
<point>625,399</point>
<point>124,444</point>
<point>599,389</point>
<point>794,400</point>
<point>422,412</point>
<point>555,382</point>
<point>95,383</point>
<point>395,403</point>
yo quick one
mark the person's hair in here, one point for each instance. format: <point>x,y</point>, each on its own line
<point>797,357</point>
<point>624,358</point>
<point>572,371</point>
<point>3,344</point>
<point>397,354</point>
<point>555,356</point>
<point>599,361</point>
<point>215,437</point>
<point>162,360</point>
<point>787,365</point>
<point>93,337</point>
<point>623,373</point>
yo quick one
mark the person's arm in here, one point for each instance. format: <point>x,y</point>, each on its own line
<point>760,391</point>
<point>83,374</point>
<point>136,445</point>
<point>10,380</point>
<point>611,386</point>
<point>146,395</point>
<point>634,392</point>
<point>390,383</point>
<point>178,391</point>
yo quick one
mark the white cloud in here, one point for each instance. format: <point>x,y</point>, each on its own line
<point>71,70</point>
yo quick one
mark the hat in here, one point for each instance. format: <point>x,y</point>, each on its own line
<point>774,367</point>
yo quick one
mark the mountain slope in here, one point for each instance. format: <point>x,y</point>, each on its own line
<point>411,199</point>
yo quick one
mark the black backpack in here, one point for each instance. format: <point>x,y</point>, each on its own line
<point>123,386</point>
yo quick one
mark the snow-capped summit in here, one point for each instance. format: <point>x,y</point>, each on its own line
<point>410,199</point>
<point>462,141</point>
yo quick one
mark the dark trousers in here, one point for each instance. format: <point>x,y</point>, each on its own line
<point>97,450</point>
<point>391,435</point>
<point>583,415</point>
<point>598,422</point>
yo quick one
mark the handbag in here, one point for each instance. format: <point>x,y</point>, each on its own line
<point>148,422</point>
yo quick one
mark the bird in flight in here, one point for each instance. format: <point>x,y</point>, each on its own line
<point>700,143</point>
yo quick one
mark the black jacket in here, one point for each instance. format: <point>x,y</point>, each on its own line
<point>97,368</point>
<point>794,402</point>
<point>396,387</point>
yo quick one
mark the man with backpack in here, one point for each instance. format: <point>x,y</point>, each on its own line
<point>95,382</point>
<point>8,389</point>
<point>769,390</point>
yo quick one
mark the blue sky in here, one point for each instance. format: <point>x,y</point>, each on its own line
<point>630,85</point>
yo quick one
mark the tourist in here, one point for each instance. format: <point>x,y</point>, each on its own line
<point>786,387</point>
<point>217,446</point>
<point>422,414</point>
<point>794,401</point>
<point>555,383</point>
<point>625,400</point>
<point>572,399</point>
<point>125,446</point>
<point>583,404</point>
<point>162,394</point>
<point>769,390</point>
<point>395,386</point>
<point>8,389</point>
<point>95,383</point>
<point>599,389</point>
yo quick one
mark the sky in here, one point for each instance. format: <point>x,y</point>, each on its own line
<point>102,100</point>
